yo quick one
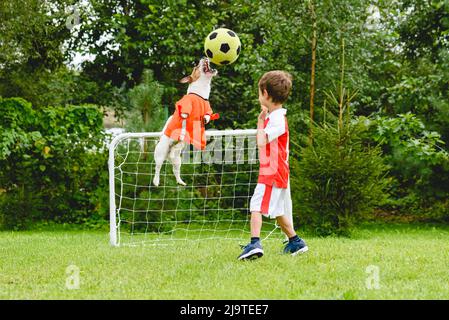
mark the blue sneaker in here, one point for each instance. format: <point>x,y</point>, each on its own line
<point>251,251</point>
<point>295,247</point>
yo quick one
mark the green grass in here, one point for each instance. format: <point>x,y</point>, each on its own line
<point>413,263</point>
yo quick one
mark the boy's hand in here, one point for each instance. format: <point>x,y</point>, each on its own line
<point>263,113</point>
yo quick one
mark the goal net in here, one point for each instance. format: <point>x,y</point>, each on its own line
<point>213,205</point>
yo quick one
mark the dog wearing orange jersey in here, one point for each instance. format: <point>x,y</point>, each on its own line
<point>187,124</point>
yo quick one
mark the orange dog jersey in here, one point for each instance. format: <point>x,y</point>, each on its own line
<point>191,129</point>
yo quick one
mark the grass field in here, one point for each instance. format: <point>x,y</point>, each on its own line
<point>412,263</point>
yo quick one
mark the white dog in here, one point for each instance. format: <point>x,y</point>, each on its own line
<point>186,125</point>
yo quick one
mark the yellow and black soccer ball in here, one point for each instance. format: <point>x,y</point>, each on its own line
<point>222,46</point>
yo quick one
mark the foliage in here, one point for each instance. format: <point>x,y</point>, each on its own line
<point>416,157</point>
<point>426,29</point>
<point>146,112</point>
<point>31,33</point>
<point>407,135</point>
<point>340,179</point>
<point>32,57</point>
<point>168,36</point>
<point>397,56</point>
<point>53,163</point>
<point>409,72</point>
<point>43,87</point>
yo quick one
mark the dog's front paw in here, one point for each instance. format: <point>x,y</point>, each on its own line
<point>156,181</point>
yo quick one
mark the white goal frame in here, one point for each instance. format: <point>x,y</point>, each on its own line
<point>111,166</point>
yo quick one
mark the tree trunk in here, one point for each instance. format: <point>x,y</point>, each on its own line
<point>146,116</point>
<point>312,71</point>
<point>342,90</point>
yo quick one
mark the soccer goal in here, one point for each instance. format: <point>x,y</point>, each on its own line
<point>213,205</point>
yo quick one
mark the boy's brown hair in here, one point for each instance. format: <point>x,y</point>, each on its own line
<point>278,84</point>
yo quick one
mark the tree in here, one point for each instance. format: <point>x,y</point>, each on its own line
<point>147,113</point>
<point>32,58</point>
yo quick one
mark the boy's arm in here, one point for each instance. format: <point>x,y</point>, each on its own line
<point>262,138</point>
<point>276,127</point>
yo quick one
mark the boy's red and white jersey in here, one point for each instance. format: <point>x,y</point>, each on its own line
<point>274,168</point>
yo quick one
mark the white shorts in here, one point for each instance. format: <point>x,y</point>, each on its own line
<point>272,202</point>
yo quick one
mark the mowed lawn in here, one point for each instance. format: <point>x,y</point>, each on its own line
<point>379,262</point>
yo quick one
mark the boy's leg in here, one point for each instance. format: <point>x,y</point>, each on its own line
<point>286,226</point>
<point>259,203</point>
<point>256,224</point>
<point>295,244</point>
<point>288,205</point>
<point>254,248</point>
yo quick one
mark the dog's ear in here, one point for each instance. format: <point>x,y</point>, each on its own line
<point>193,76</point>
<point>187,79</point>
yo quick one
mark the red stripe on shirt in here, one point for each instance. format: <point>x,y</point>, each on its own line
<point>266,199</point>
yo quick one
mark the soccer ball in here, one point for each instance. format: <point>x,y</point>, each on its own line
<point>222,46</point>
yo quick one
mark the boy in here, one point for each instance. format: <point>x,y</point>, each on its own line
<point>272,194</point>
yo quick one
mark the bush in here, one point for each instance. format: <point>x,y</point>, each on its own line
<point>54,166</point>
<point>419,164</point>
<point>338,179</point>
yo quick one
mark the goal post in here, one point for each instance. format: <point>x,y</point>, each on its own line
<point>113,228</point>
<point>213,205</point>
